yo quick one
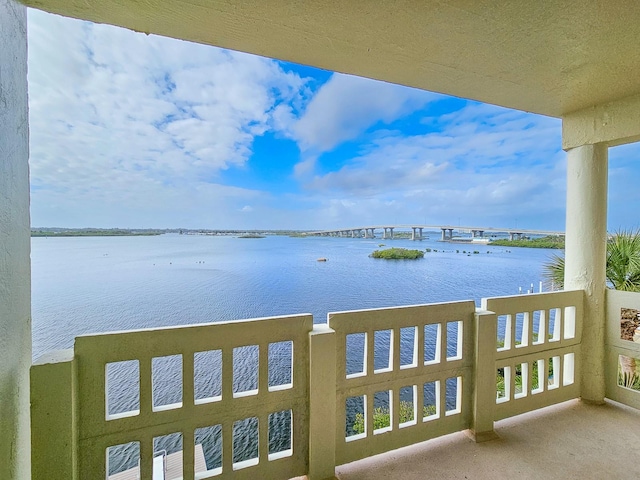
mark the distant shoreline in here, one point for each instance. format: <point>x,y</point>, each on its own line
<point>94,233</point>
<point>544,242</point>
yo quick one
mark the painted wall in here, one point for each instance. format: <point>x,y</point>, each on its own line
<point>15,281</point>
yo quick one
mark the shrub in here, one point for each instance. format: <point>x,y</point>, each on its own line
<point>397,254</point>
<point>382,417</point>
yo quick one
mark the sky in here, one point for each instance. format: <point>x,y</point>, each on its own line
<point>139,131</point>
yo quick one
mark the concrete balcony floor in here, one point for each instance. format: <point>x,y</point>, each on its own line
<point>572,440</point>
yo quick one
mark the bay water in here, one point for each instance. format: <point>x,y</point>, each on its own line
<point>97,284</point>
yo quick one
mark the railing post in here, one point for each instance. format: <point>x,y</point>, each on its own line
<point>54,439</point>
<point>322,403</point>
<point>484,394</point>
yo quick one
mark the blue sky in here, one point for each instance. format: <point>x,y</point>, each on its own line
<point>130,130</point>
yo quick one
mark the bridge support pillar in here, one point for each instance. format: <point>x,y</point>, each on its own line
<point>413,233</point>
<point>420,230</point>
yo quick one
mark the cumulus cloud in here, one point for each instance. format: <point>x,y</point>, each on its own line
<point>480,163</point>
<point>346,106</point>
<point>141,117</point>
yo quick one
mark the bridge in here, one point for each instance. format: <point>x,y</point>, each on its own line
<point>417,231</point>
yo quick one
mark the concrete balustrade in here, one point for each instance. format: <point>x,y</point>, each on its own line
<point>432,367</point>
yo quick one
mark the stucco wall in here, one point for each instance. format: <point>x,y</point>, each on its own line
<point>15,294</point>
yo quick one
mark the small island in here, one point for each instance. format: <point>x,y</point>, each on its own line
<point>251,235</point>
<point>398,254</point>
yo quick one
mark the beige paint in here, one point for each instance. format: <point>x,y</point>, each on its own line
<point>15,288</point>
<point>551,57</point>
<point>615,346</point>
<point>68,388</point>
<point>564,346</point>
<point>612,123</point>
<point>585,255</point>
<point>322,403</point>
<point>54,437</point>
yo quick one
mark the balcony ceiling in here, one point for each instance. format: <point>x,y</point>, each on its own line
<point>550,57</point>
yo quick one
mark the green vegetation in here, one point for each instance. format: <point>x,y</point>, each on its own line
<point>92,232</point>
<point>622,265</point>
<point>550,241</point>
<point>382,417</point>
<point>623,273</point>
<point>398,254</point>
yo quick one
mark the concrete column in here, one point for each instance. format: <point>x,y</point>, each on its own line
<point>15,267</point>
<point>322,403</point>
<point>391,230</point>
<point>420,230</point>
<point>444,234</point>
<point>413,233</point>
<point>585,256</point>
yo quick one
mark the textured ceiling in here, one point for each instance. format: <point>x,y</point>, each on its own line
<point>545,56</point>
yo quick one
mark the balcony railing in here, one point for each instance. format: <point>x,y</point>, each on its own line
<point>367,382</point>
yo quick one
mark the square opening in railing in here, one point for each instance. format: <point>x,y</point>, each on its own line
<point>208,451</point>
<point>628,374</point>
<point>453,395</point>
<point>432,342</point>
<point>167,456</point>
<point>454,340</point>
<point>539,327</point>
<point>503,384</point>
<point>245,443</point>
<point>521,380</point>
<point>568,369</point>
<point>280,434</point>
<point>569,322</point>
<point>630,324</point>
<point>555,323</point>
<point>408,347</point>
<point>382,351</point>
<point>431,401</point>
<point>122,385</point>
<point>280,365</point>
<point>407,407</point>
<point>207,376</point>
<point>122,458</point>
<point>382,412</point>
<point>166,374</point>
<point>355,418</point>
<point>356,355</point>
<point>505,325</point>
<point>245,370</point>
<point>554,373</point>
<point>522,329</point>
<point>538,374</point>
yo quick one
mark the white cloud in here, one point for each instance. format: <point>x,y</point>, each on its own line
<point>118,115</point>
<point>481,164</point>
<point>346,106</point>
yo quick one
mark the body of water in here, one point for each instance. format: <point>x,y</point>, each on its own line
<point>97,284</point>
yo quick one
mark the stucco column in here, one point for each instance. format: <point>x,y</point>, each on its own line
<point>585,256</point>
<point>15,270</point>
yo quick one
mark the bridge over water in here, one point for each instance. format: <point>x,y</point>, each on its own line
<point>369,231</point>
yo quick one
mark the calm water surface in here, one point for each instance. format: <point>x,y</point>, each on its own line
<point>98,284</point>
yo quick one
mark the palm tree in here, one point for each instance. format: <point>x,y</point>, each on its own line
<point>623,273</point>
<point>622,267</point>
